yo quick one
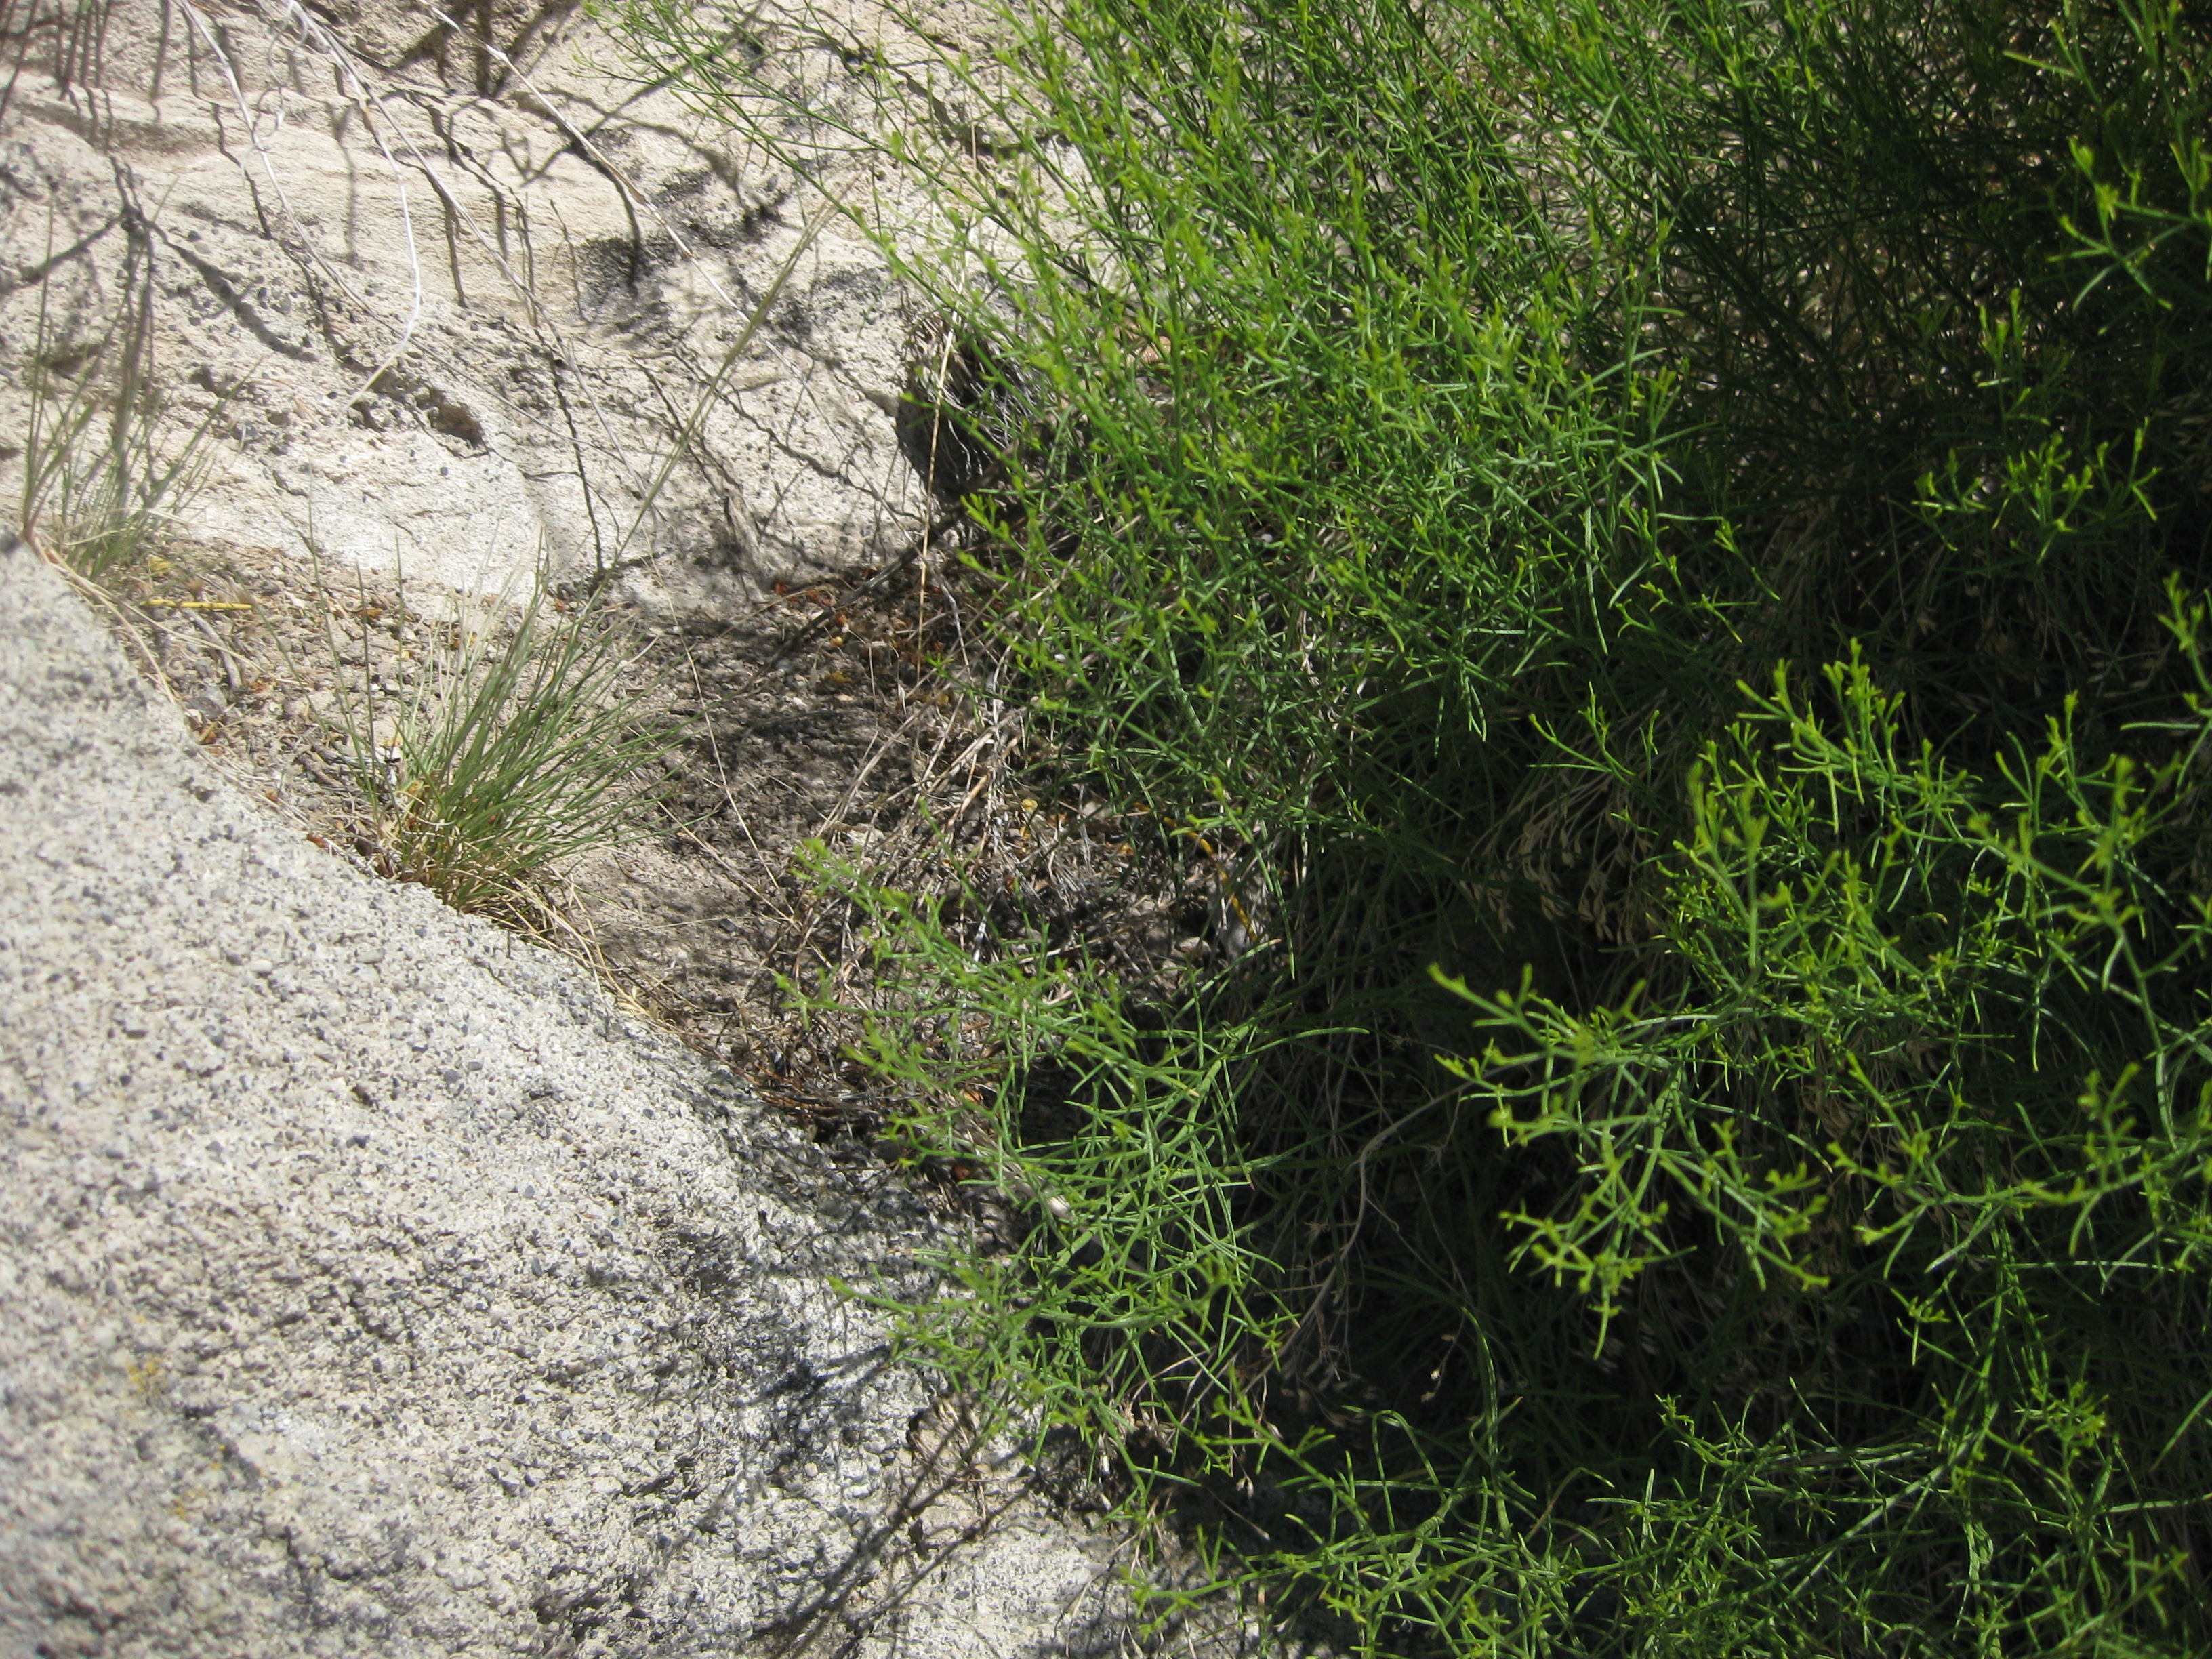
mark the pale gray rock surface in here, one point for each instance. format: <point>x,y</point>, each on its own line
<point>449,313</point>
<point>368,1285</point>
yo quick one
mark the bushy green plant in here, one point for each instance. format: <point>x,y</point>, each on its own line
<point>1116,1131</point>
<point>1927,1130</point>
<point>1666,533</point>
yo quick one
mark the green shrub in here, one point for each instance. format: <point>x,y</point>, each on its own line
<point>1693,1167</point>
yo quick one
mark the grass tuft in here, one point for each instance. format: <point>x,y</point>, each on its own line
<point>515,742</point>
<point>101,480</point>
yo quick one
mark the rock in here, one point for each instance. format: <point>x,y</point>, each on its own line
<point>502,321</point>
<point>369,1283</point>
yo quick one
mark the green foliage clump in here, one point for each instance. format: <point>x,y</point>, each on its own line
<point>1664,539</point>
<point>520,743</point>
